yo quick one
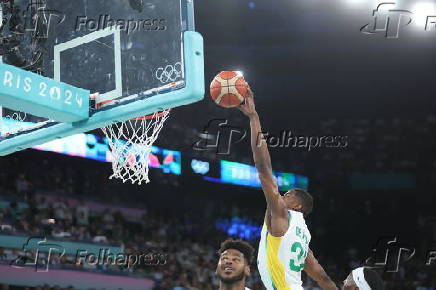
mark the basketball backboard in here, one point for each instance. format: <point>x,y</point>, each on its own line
<point>140,56</point>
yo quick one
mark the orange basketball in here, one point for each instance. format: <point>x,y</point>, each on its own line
<point>229,89</point>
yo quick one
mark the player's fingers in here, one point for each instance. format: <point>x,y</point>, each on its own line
<point>249,101</point>
<point>243,106</point>
<point>250,92</point>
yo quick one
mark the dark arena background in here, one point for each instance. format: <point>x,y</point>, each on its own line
<point>348,108</point>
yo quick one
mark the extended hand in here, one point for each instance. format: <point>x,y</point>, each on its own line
<point>248,107</point>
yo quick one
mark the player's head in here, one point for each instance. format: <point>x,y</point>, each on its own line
<point>363,279</point>
<point>299,200</point>
<point>235,257</point>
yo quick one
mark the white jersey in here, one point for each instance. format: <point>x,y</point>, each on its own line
<point>280,260</point>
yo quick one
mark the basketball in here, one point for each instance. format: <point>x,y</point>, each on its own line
<point>229,89</point>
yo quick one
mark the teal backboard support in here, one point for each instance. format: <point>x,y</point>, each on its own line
<point>144,103</point>
<point>32,93</point>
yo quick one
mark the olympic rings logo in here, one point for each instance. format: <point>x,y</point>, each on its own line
<point>16,116</point>
<point>170,73</point>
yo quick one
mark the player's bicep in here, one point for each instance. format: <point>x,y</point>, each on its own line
<point>268,183</point>
<point>272,195</point>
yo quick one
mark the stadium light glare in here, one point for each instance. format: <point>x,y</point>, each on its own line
<point>420,12</point>
<point>369,3</point>
<point>356,1</point>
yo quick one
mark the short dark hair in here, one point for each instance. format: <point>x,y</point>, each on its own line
<point>373,279</point>
<point>306,200</point>
<point>242,246</point>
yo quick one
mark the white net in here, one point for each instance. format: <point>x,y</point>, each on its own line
<point>130,143</point>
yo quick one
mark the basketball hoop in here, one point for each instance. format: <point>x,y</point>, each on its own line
<point>130,143</point>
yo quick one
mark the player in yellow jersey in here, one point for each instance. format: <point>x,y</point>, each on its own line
<point>284,247</point>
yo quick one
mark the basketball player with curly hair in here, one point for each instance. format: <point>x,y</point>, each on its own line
<point>235,258</point>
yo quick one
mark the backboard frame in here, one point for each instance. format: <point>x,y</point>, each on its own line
<point>117,92</point>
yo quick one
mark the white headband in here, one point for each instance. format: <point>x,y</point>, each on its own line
<point>359,279</point>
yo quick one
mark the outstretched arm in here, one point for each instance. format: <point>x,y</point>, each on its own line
<point>275,204</point>
<point>317,273</point>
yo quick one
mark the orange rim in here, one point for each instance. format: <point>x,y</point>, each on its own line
<point>152,116</point>
<point>148,117</point>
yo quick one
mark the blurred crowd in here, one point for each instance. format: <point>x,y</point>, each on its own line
<point>389,144</point>
<point>189,243</point>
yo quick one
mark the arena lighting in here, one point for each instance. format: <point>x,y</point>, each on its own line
<point>372,3</point>
<point>356,1</point>
<point>97,148</point>
<point>200,167</point>
<point>239,227</point>
<point>420,12</point>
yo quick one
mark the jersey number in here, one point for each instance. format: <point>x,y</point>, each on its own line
<point>297,266</point>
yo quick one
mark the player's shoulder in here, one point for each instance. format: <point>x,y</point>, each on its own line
<point>293,213</point>
<point>246,288</point>
<point>296,217</point>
